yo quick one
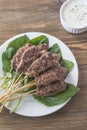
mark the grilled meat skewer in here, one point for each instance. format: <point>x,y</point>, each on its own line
<point>51,89</point>
<point>51,75</point>
<point>17,57</point>
<point>42,63</point>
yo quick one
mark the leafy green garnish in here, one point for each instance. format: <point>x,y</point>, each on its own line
<point>55,49</point>
<point>10,52</point>
<point>18,42</point>
<point>39,40</point>
<point>67,64</point>
<point>6,62</point>
<point>60,98</point>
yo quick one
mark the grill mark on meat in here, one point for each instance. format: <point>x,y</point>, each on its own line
<point>29,56</point>
<point>51,89</point>
<point>17,57</point>
<point>51,75</point>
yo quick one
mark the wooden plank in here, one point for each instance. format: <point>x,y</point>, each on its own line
<point>21,16</point>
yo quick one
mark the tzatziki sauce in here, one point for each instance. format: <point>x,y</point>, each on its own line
<point>75,13</point>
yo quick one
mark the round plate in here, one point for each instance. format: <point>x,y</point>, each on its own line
<point>29,106</point>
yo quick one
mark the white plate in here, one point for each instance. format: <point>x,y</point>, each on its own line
<point>29,106</point>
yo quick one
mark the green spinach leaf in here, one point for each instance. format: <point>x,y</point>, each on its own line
<point>18,42</point>
<point>39,40</point>
<point>55,49</point>
<point>67,64</point>
<point>6,62</point>
<point>10,52</point>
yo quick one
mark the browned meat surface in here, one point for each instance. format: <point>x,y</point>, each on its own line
<point>56,57</point>
<point>29,56</point>
<point>42,52</point>
<point>51,75</point>
<point>42,47</point>
<point>17,57</point>
<point>41,64</point>
<point>64,71</point>
<point>51,89</point>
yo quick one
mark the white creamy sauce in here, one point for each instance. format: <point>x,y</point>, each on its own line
<point>75,13</point>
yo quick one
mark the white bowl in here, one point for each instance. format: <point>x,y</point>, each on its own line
<point>66,26</point>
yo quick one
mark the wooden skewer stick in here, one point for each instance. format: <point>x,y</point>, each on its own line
<point>8,97</point>
<point>11,86</point>
<point>33,92</point>
<point>32,83</point>
<point>4,96</point>
<point>23,95</point>
<point>13,90</point>
<point>19,82</point>
<point>18,78</point>
<point>30,93</point>
<point>8,87</point>
<point>5,78</point>
<point>1,107</point>
<point>14,83</point>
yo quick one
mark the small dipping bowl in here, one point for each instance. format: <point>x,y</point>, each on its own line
<point>73,16</point>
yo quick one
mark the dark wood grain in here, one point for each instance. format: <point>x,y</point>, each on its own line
<point>19,16</point>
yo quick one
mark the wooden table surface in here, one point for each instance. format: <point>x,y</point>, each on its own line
<point>19,16</point>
